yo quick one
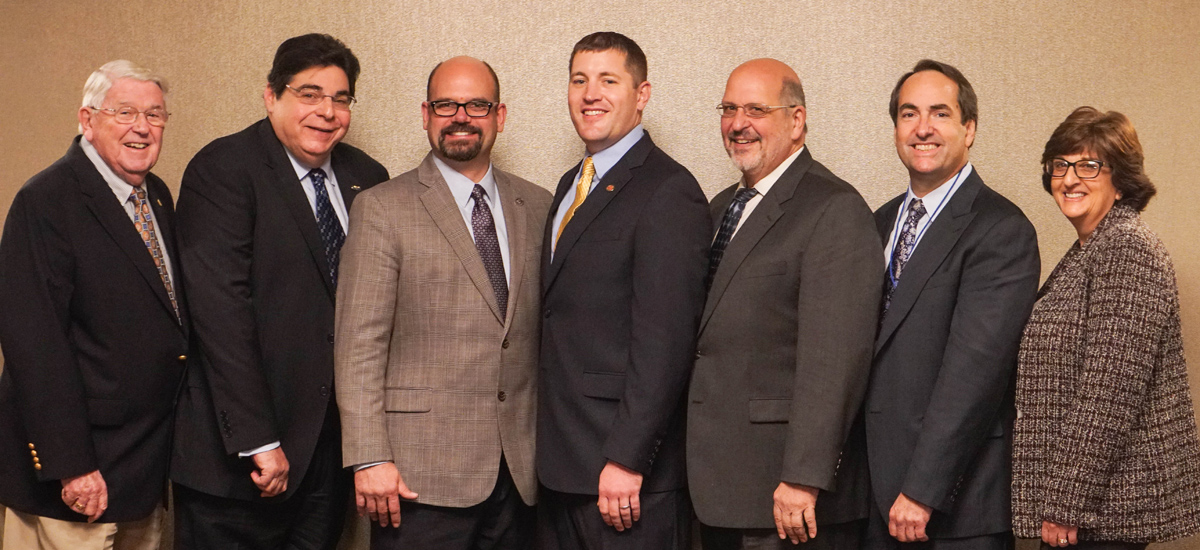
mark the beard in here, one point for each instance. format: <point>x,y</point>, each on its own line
<point>745,162</point>
<point>461,152</point>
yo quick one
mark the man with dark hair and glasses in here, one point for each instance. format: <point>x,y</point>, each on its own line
<point>262,219</point>
<point>785,339</point>
<point>624,257</point>
<point>94,328</point>
<point>437,334</point>
<point>960,275</point>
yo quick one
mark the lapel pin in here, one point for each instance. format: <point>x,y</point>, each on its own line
<point>159,201</point>
<point>520,201</point>
<point>355,188</point>
<point>609,188</point>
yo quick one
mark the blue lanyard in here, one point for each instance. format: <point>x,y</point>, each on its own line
<point>957,181</point>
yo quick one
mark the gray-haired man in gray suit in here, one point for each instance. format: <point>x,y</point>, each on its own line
<point>785,339</point>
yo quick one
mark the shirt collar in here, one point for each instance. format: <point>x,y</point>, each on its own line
<point>769,181</point>
<point>302,170</point>
<point>461,186</point>
<point>933,199</point>
<point>606,159</point>
<point>121,188</point>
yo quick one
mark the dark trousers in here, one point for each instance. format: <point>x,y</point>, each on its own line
<point>310,519</point>
<point>1101,545</point>
<point>878,538</point>
<point>502,522</point>
<point>837,536</point>
<point>569,521</point>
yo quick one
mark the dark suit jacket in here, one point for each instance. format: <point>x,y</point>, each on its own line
<point>939,408</point>
<point>621,305</point>
<point>262,307</point>
<point>784,352</point>
<point>92,346</point>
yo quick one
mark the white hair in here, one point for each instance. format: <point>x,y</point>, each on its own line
<point>102,79</point>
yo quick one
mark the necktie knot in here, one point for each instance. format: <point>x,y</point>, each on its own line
<point>745,194</point>
<point>917,208</point>
<point>318,177</point>
<point>478,194</point>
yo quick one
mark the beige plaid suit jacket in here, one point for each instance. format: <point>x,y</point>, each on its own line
<point>427,374</point>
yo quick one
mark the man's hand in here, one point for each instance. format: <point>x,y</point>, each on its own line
<point>272,474</point>
<point>618,502</point>
<point>907,520</point>
<point>1059,534</point>
<point>796,512</point>
<point>377,492</point>
<point>86,494</point>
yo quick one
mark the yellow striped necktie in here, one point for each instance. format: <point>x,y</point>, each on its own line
<point>581,192</point>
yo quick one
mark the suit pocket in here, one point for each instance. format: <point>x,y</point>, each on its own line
<point>604,385</point>
<point>106,412</point>
<point>408,400</point>
<point>764,269</point>
<point>769,410</point>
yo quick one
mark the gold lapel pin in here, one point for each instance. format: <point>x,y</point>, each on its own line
<point>159,201</point>
<point>355,188</point>
<point>609,188</point>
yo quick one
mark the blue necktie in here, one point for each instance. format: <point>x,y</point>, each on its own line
<point>903,250</point>
<point>483,227</point>
<point>327,223</point>
<point>728,225</point>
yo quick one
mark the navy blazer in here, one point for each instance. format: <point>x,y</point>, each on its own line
<point>93,351</point>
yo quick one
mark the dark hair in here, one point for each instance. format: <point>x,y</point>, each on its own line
<point>301,53</point>
<point>1111,137</point>
<point>635,59</point>
<point>495,80</point>
<point>968,104</point>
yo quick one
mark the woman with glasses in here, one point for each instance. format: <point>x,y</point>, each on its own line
<point>1105,451</point>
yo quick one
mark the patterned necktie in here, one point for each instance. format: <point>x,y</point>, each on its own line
<point>902,250</point>
<point>141,221</point>
<point>729,224</point>
<point>581,192</point>
<point>328,224</point>
<point>483,226</point>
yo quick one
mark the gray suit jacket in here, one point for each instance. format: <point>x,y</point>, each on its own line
<point>427,373</point>
<point>939,408</point>
<point>784,351</point>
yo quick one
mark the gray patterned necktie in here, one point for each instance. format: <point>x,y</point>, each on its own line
<point>328,224</point>
<point>483,227</point>
<point>733,214</point>
<point>903,249</point>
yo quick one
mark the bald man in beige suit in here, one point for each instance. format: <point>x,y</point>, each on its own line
<point>437,334</point>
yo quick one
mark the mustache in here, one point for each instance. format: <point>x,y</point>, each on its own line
<point>460,127</point>
<point>745,133</point>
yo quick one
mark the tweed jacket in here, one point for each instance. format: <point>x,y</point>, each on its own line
<point>1105,436</point>
<point>429,373</point>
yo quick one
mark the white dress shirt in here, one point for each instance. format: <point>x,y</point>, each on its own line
<point>763,186</point>
<point>934,201</point>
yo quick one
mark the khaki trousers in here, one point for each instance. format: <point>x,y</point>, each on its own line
<point>29,532</point>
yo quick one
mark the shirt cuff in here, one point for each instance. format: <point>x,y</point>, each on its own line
<point>263,449</point>
<point>358,467</point>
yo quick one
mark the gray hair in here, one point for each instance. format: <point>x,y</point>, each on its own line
<point>102,79</point>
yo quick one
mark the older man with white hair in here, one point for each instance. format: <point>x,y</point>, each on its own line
<point>94,330</point>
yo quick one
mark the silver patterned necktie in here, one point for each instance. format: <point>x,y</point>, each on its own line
<point>729,223</point>
<point>903,249</point>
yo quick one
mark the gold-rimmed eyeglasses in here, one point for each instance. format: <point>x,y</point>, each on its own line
<point>155,116</point>
<point>752,110</point>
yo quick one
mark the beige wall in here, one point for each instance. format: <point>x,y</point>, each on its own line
<point>1031,62</point>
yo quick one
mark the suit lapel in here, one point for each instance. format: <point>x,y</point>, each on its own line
<point>348,184</point>
<point>602,194</point>
<point>439,202</point>
<point>939,240</point>
<point>768,211</point>
<point>115,220</point>
<point>516,220</point>
<point>283,178</point>
<point>164,220</point>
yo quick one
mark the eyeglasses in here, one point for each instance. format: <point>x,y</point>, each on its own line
<point>1084,169</point>
<point>156,116</point>
<point>447,108</point>
<point>752,110</point>
<point>313,96</point>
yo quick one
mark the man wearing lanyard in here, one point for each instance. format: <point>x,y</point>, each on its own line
<point>624,260</point>
<point>961,274</point>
